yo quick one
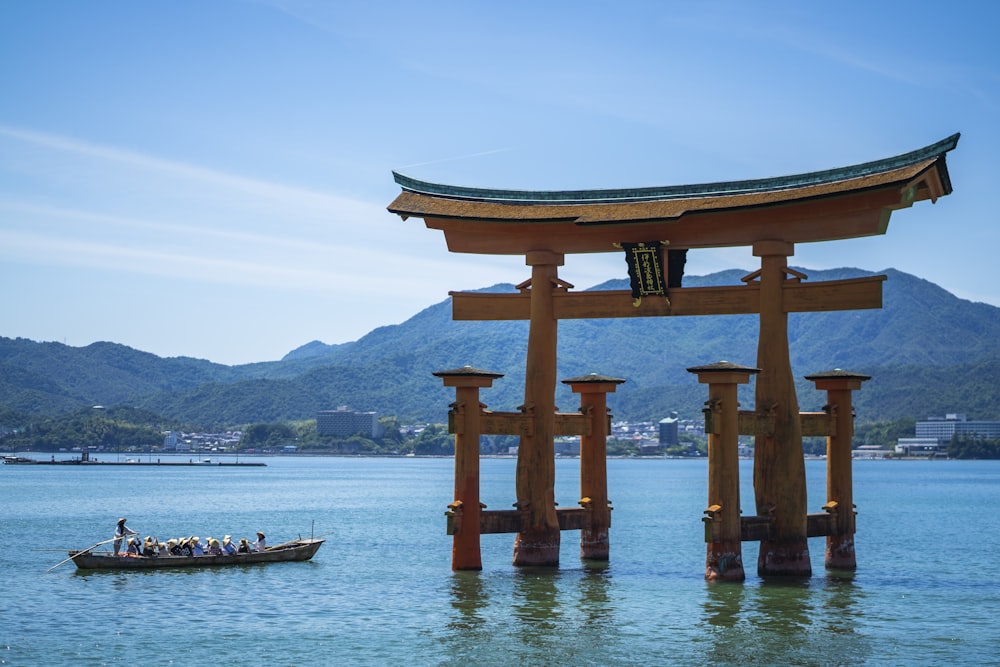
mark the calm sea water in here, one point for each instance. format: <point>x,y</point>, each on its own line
<point>381,592</point>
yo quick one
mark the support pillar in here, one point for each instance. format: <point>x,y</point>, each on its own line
<point>779,467</point>
<point>839,386</point>
<point>538,541</point>
<point>724,558</point>
<point>466,508</point>
<point>594,536</point>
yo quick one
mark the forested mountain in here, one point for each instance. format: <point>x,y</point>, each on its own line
<point>928,352</point>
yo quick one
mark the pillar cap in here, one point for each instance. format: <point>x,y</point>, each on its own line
<point>838,380</point>
<point>467,371</point>
<point>593,378</point>
<point>837,374</point>
<point>723,372</point>
<point>467,376</point>
<point>723,367</point>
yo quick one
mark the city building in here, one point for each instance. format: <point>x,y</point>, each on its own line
<point>934,433</point>
<point>669,430</point>
<point>344,422</point>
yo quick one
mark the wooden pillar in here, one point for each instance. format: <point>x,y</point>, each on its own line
<point>594,536</point>
<point>838,385</point>
<point>466,508</point>
<point>538,541</point>
<point>724,558</point>
<point>779,467</point>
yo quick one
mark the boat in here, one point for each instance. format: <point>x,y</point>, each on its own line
<point>296,550</point>
<point>17,460</point>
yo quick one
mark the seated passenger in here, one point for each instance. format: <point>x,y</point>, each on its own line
<point>244,547</point>
<point>174,547</point>
<point>133,547</point>
<point>149,547</point>
<point>227,545</point>
<point>213,548</point>
<point>196,549</point>
<point>261,543</point>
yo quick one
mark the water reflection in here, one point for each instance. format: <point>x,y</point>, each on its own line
<point>532,616</point>
<point>595,600</point>
<point>786,621</point>
<point>536,600</point>
<point>468,599</point>
<point>723,602</point>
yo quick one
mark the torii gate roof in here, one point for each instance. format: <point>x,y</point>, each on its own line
<point>825,205</point>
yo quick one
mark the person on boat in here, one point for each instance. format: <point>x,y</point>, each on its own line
<point>213,547</point>
<point>149,547</point>
<point>261,543</point>
<point>228,547</point>
<point>196,548</point>
<point>244,547</point>
<point>185,545</point>
<point>133,547</point>
<point>121,532</point>
<point>174,547</point>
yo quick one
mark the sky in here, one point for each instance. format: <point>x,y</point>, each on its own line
<point>209,178</point>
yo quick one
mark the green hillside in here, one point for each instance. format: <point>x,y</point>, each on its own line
<point>928,352</point>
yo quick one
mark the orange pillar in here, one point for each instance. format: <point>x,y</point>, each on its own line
<point>537,543</point>
<point>838,385</point>
<point>779,468</point>
<point>724,558</point>
<point>593,390</point>
<point>465,549</point>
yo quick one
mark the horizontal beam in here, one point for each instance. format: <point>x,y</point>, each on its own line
<point>813,424</point>
<point>850,294</point>
<point>522,424</point>
<point>755,528</point>
<point>509,521</point>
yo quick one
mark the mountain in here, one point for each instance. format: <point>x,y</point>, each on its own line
<point>927,351</point>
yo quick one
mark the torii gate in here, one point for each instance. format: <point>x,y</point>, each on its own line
<point>770,216</point>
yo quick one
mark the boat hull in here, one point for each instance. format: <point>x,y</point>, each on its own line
<point>294,551</point>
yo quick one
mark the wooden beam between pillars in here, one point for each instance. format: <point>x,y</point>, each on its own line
<point>850,294</point>
<point>520,423</point>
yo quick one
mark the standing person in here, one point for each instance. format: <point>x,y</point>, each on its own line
<point>121,532</point>
<point>261,543</point>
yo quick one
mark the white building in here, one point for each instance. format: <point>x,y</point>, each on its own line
<point>344,422</point>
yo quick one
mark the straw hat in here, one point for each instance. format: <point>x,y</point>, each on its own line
<point>243,540</point>
<point>171,543</point>
<point>122,520</point>
<point>195,540</point>
<point>227,539</point>
<point>260,534</point>
<point>213,542</point>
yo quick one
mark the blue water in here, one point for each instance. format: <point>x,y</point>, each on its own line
<point>381,591</point>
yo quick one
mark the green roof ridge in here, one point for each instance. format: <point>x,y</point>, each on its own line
<point>724,188</point>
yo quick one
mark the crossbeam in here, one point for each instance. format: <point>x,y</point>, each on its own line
<point>828,295</point>
<point>520,423</point>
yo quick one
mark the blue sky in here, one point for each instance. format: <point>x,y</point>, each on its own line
<point>209,178</point>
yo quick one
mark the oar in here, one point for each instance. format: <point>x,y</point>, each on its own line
<point>81,552</point>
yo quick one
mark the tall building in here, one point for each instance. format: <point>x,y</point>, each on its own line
<point>344,422</point>
<point>668,431</point>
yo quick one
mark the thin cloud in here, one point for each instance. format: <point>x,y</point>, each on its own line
<point>256,187</point>
<point>455,158</point>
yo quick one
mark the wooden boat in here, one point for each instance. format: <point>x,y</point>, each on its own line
<point>297,550</point>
